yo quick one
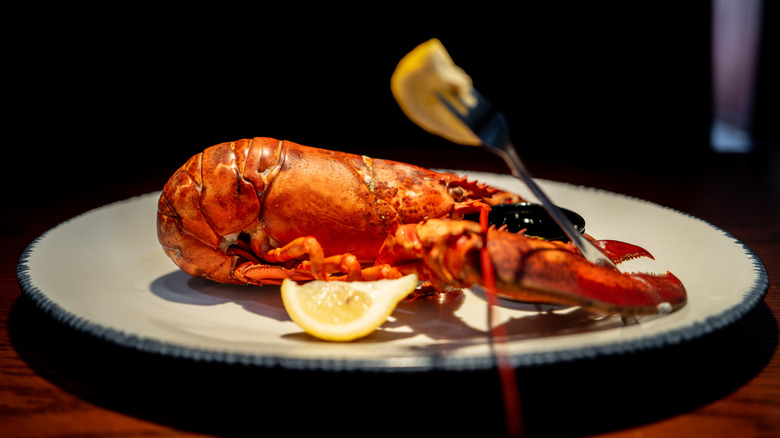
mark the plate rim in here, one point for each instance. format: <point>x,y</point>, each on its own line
<point>697,329</point>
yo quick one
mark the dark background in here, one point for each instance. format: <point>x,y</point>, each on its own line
<point>101,97</point>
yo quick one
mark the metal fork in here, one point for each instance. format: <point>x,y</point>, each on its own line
<point>490,126</point>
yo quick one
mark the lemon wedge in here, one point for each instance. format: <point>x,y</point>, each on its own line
<point>344,311</point>
<point>423,72</point>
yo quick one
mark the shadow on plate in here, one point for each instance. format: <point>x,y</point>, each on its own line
<point>180,287</point>
<point>435,317</point>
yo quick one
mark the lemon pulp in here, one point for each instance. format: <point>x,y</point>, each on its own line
<point>344,311</point>
<point>425,71</point>
<point>333,303</point>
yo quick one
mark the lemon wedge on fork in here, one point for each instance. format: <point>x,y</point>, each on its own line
<point>344,311</point>
<point>425,71</point>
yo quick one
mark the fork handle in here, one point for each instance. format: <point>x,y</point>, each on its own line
<point>588,250</point>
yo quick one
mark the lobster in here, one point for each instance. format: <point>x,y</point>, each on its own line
<point>260,210</point>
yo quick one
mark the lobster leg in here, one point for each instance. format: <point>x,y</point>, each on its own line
<point>316,267</point>
<point>263,274</point>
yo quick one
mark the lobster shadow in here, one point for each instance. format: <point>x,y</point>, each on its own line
<point>438,318</point>
<point>179,287</point>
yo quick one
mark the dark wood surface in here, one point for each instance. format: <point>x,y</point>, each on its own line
<point>55,381</point>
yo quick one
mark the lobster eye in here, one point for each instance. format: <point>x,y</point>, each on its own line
<point>456,193</point>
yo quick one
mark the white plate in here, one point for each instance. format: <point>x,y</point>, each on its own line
<point>104,273</point>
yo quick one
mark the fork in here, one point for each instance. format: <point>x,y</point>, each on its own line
<point>489,125</point>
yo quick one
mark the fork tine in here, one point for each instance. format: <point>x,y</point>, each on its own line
<point>455,111</point>
<point>483,119</point>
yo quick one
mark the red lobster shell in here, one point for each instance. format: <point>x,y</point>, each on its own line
<point>257,211</point>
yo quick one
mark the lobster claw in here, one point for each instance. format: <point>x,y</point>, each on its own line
<point>451,253</point>
<point>620,252</point>
<point>555,273</point>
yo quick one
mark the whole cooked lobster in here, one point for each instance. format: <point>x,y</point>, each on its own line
<point>257,211</point>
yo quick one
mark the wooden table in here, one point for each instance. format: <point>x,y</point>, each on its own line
<point>55,381</point>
